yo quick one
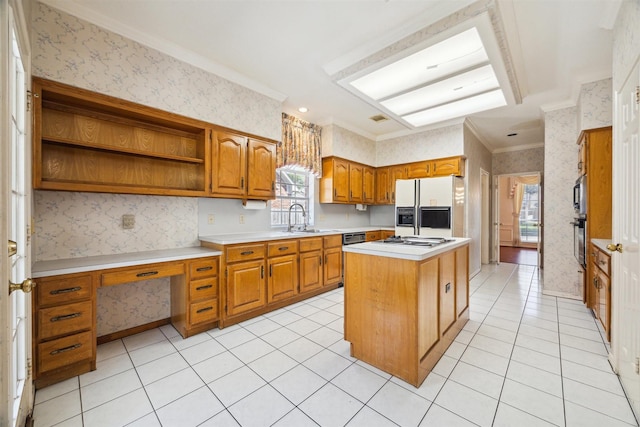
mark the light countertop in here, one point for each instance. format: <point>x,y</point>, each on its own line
<point>602,244</point>
<point>235,238</point>
<point>409,252</point>
<point>103,262</point>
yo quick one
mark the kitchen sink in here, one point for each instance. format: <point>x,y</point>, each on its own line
<point>310,230</point>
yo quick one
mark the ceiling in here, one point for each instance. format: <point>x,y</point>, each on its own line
<point>293,51</point>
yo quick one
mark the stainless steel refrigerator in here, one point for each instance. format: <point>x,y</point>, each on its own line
<point>430,207</point>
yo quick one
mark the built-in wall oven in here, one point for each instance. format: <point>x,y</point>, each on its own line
<point>579,241</point>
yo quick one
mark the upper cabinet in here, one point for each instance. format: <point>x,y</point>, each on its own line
<point>84,141</point>
<point>344,181</point>
<point>242,167</point>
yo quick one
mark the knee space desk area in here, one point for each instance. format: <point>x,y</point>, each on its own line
<point>64,302</point>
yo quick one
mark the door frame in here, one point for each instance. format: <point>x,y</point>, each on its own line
<point>485,217</point>
<point>496,214</point>
<point>12,12</point>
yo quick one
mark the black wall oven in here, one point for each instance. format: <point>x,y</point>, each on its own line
<point>579,241</point>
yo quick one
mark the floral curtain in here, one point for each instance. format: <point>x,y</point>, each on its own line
<point>300,145</point>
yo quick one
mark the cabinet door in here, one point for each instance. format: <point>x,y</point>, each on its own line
<point>340,180</point>
<point>332,266</point>
<point>356,173</point>
<point>261,169</point>
<point>582,156</point>
<point>447,291</point>
<point>446,167</point>
<point>604,300</point>
<point>368,185</point>
<point>371,236</point>
<point>462,279</point>
<point>310,271</point>
<point>419,170</point>
<point>382,185</point>
<point>395,173</point>
<point>283,278</point>
<point>229,164</point>
<point>246,284</point>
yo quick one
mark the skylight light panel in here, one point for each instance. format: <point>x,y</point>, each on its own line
<point>453,55</point>
<point>460,86</point>
<point>463,107</point>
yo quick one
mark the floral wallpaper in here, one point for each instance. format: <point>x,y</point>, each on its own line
<point>75,52</point>
<point>340,142</point>
<point>529,160</point>
<point>561,275</point>
<point>431,144</point>
<point>595,105</point>
<point>626,41</point>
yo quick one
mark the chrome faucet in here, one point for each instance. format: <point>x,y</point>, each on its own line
<point>304,215</point>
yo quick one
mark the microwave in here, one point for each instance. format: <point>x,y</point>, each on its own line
<point>580,196</point>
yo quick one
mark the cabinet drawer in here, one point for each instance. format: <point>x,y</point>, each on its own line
<point>143,272</point>
<point>372,236</point>
<point>332,241</point>
<point>64,319</point>
<point>64,351</point>
<point>312,244</point>
<point>285,247</point>
<point>203,289</point>
<point>207,267</point>
<point>245,252</point>
<point>55,290</point>
<point>603,260</point>
<point>205,311</point>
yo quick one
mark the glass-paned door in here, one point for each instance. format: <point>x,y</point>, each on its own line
<point>529,214</point>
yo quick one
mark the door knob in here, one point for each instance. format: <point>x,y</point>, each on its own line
<point>13,248</point>
<point>614,247</point>
<point>26,286</point>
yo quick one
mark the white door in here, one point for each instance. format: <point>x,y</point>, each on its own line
<point>15,338</point>
<point>626,211</point>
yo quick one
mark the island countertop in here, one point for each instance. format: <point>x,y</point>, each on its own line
<point>408,252</point>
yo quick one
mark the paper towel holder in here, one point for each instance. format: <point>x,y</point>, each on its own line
<point>254,204</point>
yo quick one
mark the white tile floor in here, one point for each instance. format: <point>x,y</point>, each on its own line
<point>524,359</point>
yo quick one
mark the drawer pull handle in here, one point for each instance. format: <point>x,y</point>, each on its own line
<point>65,317</point>
<point>246,253</point>
<point>283,248</point>
<point>602,262</point>
<point>65,290</point>
<point>202,310</point>
<point>205,268</point>
<point>200,288</point>
<point>147,274</point>
<point>65,349</point>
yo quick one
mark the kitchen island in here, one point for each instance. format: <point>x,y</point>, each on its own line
<point>405,304</point>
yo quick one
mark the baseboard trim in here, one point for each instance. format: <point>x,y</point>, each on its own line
<point>132,331</point>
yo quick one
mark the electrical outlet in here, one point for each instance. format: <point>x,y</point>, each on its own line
<point>241,219</point>
<point>128,221</point>
<point>211,219</point>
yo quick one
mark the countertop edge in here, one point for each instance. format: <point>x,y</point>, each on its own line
<point>602,244</point>
<point>420,253</point>
<point>103,262</point>
<point>249,237</point>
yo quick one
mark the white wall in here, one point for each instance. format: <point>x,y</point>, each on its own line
<point>433,144</point>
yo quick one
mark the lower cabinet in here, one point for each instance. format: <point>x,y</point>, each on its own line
<point>64,334</point>
<point>332,260</point>
<point>601,283</point>
<point>447,291</point>
<point>194,298</point>
<point>311,274</point>
<point>283,278</point>
<point>246,286</point>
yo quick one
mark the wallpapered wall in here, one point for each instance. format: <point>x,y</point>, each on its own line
<point>530,160</point>
<point>72,51</point>
<point>595,105</point>
<point>561,275</point>
<point>478,157</point>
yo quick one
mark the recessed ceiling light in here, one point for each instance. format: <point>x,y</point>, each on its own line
<point>303,109</point>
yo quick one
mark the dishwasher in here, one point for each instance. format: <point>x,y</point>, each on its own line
<point>351,239</point>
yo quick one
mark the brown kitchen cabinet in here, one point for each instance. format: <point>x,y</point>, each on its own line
<point>368,185</point>
<point>383,188</point>
<point>447,291</point>
<point>86,141</point>
<point>311,260</point>
<point>449,166</point>
<point>356,173</point>
<point>385,234</point>
<point>334,185</point>
<point>601,284</point>
<point>596,148</point>
<point>332,260</point>
<point>195,306</point>
<point>371,236</point>
<point>246,282</point>
<point>418,170</point>
<point>395,173</point>
<point>283,278</point>
<point>242,167</point>
<point>64,333</point>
